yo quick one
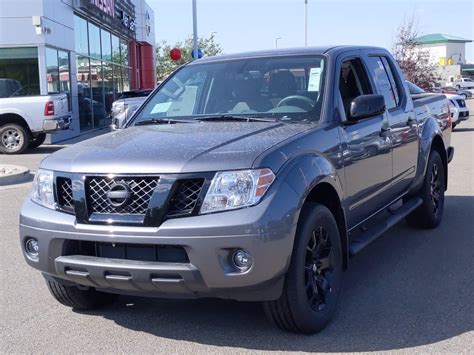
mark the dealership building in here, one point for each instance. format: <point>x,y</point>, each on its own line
<point>91,50</point>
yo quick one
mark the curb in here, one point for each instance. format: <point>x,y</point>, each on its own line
<point>21,174</point>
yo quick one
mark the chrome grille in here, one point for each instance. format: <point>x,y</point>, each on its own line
<point>64,193</point>
<point>141,191</point>
<point>185,198</point>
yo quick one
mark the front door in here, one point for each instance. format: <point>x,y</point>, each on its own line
<point>366,149</point>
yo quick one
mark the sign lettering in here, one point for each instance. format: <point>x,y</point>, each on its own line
<point>106,6</point>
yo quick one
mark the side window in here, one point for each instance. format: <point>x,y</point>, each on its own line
<point>382,80</point>
<point>393,82</point>
<point>353,82</point>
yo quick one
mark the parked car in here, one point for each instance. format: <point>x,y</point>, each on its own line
<point>25,120</point>
<point>126,105</point>
<point>452,90</point>
<point>457,101</point>
<point>237,180</point>
<point>463,83</point>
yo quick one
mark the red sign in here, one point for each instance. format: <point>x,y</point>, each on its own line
<point>106,6</point>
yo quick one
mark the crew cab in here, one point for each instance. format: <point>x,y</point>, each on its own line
<point>25,120</point>
<point>253,177</point>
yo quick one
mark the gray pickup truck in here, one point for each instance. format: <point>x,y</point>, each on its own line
<point>253,177</point>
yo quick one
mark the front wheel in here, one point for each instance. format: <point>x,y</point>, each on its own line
<point>429,214</point>
<point>313,281</point>
<point>72,296</point>
<point>14,139</point>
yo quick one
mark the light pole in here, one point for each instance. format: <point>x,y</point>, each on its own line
<point>195,34</point>
<point>276,41</point>
<point>305,23</point>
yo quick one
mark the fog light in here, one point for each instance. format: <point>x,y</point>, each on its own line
<point>242,260</point>
<point>32,248</point>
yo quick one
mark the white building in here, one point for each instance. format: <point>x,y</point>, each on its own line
<point>445,49</point>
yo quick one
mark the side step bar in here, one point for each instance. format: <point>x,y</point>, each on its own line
<point>368,236</point>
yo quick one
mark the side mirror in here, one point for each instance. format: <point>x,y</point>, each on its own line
<point>366,106</point>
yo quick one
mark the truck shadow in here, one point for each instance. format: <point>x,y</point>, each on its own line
<point>410,288</point>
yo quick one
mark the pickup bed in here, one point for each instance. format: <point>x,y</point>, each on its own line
<point>252,176</point>
<point>24,121</point>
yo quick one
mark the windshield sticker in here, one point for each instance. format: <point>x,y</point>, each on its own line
<point>161,107</point>
<point>314,79</point>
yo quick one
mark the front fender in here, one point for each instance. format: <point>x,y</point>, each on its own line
<point>304,172</point>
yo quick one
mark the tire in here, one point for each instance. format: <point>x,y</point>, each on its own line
<point>14,139</point>
<point>76,298</point>
<point>300,308</point>
<point>37,140</point>
<point>429,214</point>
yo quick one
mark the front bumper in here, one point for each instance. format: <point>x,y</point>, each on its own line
<point>56,124</point>
<point>266,231</point>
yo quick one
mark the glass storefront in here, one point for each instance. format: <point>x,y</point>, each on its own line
<point>19,73</point>
<point>103,72</point>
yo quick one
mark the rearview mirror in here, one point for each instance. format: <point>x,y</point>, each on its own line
<point>366,106</point>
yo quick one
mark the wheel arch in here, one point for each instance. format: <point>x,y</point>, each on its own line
<point>315,179</point>
<point>325,194</point>
<point>438,146</point>
<point>7,118</point>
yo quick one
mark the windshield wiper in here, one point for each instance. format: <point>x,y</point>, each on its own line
<point>160,121</point>
<point>235,118</point>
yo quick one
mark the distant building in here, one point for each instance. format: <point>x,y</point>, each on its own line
<point>448,53</point>
<point>91,50</point>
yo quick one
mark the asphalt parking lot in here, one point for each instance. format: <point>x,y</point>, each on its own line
<point>411,290</point>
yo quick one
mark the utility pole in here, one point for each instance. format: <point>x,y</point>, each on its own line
<point>195,31</point>
<point>305,23</point>
<point>276,41</point>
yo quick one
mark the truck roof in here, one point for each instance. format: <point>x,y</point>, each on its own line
<point>329,49</point>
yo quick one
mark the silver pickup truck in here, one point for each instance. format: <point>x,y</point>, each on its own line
<point>25,120</point>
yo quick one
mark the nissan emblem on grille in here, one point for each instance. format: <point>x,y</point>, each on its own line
<point>122,195</point>
<point>119,194</point>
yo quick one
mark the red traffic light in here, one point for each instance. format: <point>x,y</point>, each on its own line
<point>175,54</point>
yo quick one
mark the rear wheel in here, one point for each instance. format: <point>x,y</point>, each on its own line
<point>72,296</point>
<point>14,139</point>
<point>37,140</point>
<point>430,212</point>
<point>312,283</point>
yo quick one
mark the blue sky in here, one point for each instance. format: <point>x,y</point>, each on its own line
<point>243,25</point>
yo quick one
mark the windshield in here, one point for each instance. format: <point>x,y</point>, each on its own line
<point>414,90</point>
<point>286,88</point>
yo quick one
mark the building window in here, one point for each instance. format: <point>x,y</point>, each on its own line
<point>57,72</point>
<point>19,74</point>
<point>103,72</point>
<point>94,41</point>
<point>106,45</point>
<point>81,36</point>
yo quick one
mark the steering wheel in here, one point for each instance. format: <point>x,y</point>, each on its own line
<point>307,103</point>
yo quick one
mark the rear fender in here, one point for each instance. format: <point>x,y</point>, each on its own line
<point>429,130</point>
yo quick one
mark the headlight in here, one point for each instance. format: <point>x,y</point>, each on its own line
<point>235,189</point>
<point>42,192</point>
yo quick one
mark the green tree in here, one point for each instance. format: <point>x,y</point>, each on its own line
<point>165,65</point>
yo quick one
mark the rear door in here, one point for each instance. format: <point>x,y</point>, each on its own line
<point>366,148</point>
<point>402,120</point>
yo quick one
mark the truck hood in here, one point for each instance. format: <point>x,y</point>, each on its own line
<point>174,148</point>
